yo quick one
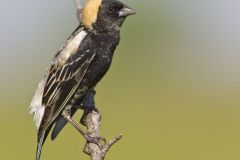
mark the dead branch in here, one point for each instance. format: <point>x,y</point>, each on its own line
<point>97,152</point>
<point>79,4</point>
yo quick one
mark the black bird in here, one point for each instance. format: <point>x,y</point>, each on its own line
<point>77,67</point>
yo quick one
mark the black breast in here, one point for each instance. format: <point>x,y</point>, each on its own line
<point>104,46</point>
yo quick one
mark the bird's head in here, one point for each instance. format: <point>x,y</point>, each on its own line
<point>105,14</point>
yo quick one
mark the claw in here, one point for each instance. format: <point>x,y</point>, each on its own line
<point>95,140</point>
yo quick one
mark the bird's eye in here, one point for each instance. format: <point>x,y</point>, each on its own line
<point>114,8</point>
<point>111,9</point>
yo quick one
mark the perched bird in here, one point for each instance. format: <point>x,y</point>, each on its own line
<point>77,67</point>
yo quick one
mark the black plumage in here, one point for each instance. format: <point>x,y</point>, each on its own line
<point>79,66</point>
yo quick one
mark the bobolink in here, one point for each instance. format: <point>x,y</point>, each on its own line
<point>77,67</point>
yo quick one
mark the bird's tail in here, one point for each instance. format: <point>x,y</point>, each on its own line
<point>61,122</point>
<point>41,139</point>
<point>39,145</point>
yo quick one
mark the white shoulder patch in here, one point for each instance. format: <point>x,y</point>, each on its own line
<point>70,48</point>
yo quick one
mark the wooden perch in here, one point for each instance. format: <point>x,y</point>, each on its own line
<point>79,7</point>
<point>97,152</point>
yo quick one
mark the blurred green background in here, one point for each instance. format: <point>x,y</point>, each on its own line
<point>173,89</point>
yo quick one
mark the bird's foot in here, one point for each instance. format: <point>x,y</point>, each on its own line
<point>100,141</point>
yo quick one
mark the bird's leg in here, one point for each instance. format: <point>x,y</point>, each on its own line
<point>88,105</point>
<point>95,140</point>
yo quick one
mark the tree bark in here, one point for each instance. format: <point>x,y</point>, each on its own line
<point>97,152</point>
<point>79,4</point>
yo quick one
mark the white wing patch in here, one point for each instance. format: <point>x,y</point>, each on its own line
<point>36,107</point>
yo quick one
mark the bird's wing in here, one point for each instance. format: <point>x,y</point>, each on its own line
<point>36,107</point>
<point>62,80</point>
<point>60,86</point>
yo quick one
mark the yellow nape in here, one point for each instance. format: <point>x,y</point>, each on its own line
<point>90,12</point>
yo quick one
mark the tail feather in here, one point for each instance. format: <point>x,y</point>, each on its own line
<point>41,139</point>
<point>61,122</point>
<point>39,146</point>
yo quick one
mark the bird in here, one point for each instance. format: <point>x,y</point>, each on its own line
<point>76,69</point>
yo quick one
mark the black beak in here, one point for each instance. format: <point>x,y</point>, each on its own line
<point>126,11</point>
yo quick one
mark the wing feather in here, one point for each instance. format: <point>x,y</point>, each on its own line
<point>61,89</point>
